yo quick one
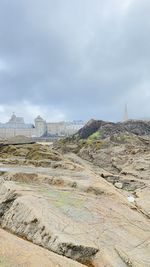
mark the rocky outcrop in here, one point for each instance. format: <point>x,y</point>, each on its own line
<point>107,129</point>
<point>38,221</point>
<point>94,229</point>
<point>17,140</point>
<point>91,127</point>
<point>35,155</point>
<point>92,208</point>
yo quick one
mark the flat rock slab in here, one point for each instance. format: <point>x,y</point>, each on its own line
<point>77,213</point>
<point>143,200</point>
<point>41,219</point>
<point>77,225</point>
<point>16,252</point>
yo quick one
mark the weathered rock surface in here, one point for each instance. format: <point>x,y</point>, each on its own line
<point>15,252</point>
<point>35,155</point>
<point>76,224</point>
<point>20,139</point>
<point>129,164</point>
<point>42,222</point>
<point>83,213</point>
<point>143,200</point>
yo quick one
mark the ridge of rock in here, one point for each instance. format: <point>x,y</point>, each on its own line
<point>106,129</point>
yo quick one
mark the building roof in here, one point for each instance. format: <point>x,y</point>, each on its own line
<point>15,119</point>
<point>39,118</point>
<point>16,123</point>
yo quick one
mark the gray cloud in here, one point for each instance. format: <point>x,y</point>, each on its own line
<point>74,59</point>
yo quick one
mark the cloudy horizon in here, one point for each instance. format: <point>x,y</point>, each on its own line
<point>76,59</point>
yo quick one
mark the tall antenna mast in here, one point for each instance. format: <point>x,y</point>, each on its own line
<point>125,117</point>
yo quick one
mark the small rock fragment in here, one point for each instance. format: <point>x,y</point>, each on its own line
<point>119,185</point>
<point>131,199</point>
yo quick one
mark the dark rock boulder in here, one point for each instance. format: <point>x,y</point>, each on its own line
<point>91,127</point>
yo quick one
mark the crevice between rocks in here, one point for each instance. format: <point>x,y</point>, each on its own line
<point>84,255</point>
<point>6,204</point>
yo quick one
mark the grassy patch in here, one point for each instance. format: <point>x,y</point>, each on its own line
<point>125,138</point>
<point>95,136</point>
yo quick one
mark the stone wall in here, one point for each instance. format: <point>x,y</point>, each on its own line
<point>56,128</point>
<point>11,132</point>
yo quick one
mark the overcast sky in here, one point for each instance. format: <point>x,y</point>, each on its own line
<point>74,59</point>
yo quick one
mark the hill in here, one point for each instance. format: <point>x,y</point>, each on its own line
<point>106,129</point>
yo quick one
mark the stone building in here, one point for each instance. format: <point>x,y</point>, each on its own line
<point>64,128</point>
<point>16,126</point>
<point>56,128</point>
<point>40,127</point>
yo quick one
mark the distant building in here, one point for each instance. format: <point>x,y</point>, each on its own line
<point>16,126</point>
<point>16,122</point>
<point>40,127</point>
